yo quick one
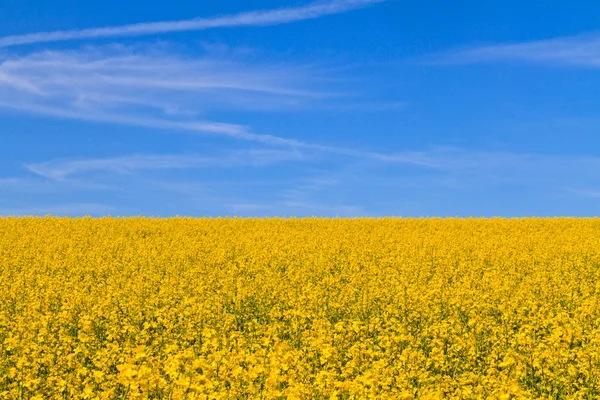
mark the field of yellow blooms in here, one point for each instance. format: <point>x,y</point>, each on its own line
<point>299,308</point>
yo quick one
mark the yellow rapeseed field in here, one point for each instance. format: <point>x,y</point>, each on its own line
<point>299,308</point>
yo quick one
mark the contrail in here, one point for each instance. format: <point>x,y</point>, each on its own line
<point>253,18</point>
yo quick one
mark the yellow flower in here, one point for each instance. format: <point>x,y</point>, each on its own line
<point>299,308</point>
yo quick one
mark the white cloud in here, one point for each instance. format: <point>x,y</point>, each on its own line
<point>149,88</point>
<point>74,209</point>
<point>452,170</point>
<point>593,193</point>
<point>462,167</point>
<point>581,51</point>
<point>524,167</point>
<point>9,181</point>
<point>296,208</point>
<point>254,18</point>
<point>250,207</point>
<point>454,166</point>
<point>322,185</point>
<point>62,169</point>
<point>156,89</point>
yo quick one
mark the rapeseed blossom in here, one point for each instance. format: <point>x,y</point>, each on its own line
<point>299,308</point>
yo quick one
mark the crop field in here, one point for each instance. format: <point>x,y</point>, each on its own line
<point>299,308</point>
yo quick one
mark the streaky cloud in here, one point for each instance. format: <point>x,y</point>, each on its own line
<point>146,89</point>
<point>253,18</point>
<point>60,170</point>
<point>70,209</point>
<point>163,91</point>
<point>579,51</point>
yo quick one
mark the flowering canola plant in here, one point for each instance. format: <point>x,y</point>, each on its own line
<point>134,308</point>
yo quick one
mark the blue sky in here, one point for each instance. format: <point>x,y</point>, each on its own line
<point>330,108</point>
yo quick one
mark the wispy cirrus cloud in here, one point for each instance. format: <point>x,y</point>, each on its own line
<point>160,89</point>
<point>63,169</point>
<point>442,165</point>
<point>486,167</point>
<point>579,51</point>
<point>294,208</point>
<point>307,184</point>
<point>253,18</point>
<point>149,87</point>
<point>585,193</point>
<point>451,169</point>
<point>70,209</point>
<point>9,181</point>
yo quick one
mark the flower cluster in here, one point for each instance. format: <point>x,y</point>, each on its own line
<point>299,308</point>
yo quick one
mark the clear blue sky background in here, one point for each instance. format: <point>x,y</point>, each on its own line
<point>334,108</point>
